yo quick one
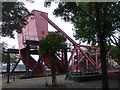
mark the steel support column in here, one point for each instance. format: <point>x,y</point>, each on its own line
<point>27,59</point>
<point>77,59</point>
<point>111,62</point>
<point>35,67</point>
<point>87,64</point>
<point>65,57</point>
<point>96,58</point>
<point>8,67</point>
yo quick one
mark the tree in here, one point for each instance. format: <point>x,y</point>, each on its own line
<point>95,23</point>
<point>13,18</point>
<point>50,45</point>
<point>115,52</point>
<point>3,56</point>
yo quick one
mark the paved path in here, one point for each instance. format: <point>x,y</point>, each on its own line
<point>40,82</point>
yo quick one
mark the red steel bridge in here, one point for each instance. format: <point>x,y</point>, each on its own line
<point>78,58</point>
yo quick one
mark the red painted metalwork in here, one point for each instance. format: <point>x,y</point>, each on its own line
<point>58,29</point>
<point>79,54</point>
<point>36,29</point>
<point>31,61</point>
<point>77,48</point>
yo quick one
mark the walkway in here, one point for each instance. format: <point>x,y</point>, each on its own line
<point>40,82</point>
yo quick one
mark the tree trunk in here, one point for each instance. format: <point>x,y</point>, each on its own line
<point>103,64</point>
<point>54,82</point>
<point>102,43</point>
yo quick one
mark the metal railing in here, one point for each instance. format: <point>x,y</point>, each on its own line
<point>29,37</point>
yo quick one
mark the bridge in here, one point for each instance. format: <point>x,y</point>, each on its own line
<point>74,58</point>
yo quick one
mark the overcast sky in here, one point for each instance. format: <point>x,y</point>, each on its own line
<point>39,5</point>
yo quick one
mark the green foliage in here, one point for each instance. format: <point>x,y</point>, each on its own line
<point>95,23</point>
<point>51,44</point>
<point>83,17</point>
<point>3,56</point>
<point>86,26</point>
<point>115,52</point>
<point>13,18</point>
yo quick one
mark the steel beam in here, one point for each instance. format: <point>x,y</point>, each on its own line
<point>35,67</point>
<point>65,58</point>
<point>58,29</point>
<point>15,65</point>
